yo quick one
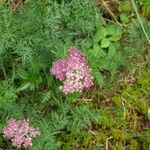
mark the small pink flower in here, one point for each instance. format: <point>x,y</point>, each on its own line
<point>73,71</point>
<point>59,69</point>
<point>17,141</point>
<point>75,55</point>
<point>27,142</point>
<point>20,133</point>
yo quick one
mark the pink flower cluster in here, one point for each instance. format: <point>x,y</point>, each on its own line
<point>73,71</point>
<point>20,133</point>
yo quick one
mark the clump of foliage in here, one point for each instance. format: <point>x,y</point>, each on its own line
<point>145,8</point>
<point>103,52</point>
<point>55,26</point>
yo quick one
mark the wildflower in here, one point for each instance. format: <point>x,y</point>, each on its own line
<point>59,69</point>
<point>20,133</point>
<point>76,56</point>
<point>73,71</point>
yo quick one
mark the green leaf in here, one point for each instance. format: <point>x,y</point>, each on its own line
<point>96,48</point>
<point>98,78</point>
<point>105,43</point>
<point>86,43</point>
<point>114,30</point>
<point>46,96</point>
<point>111,51</point>
<point>115,38</point>
<point>100,34</point>
<point>23,87</point>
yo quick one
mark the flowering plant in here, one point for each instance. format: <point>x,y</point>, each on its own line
<point>20,133</point>
<point>73,71</point>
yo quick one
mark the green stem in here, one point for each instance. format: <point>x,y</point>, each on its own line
<point>4,70</point>
<point>140,21</point>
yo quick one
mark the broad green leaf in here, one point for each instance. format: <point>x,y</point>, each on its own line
<point>114,30</point>
<point>105,43</point>
<point>111,51</point>
<point>100,34</point>
<point>115,38</point>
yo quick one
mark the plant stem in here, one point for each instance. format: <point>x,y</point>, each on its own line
<point>140,21</point>
<point>4,71</point>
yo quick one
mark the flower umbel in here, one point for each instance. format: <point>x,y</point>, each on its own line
<point>73,71</point>
<point>20,133</point>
